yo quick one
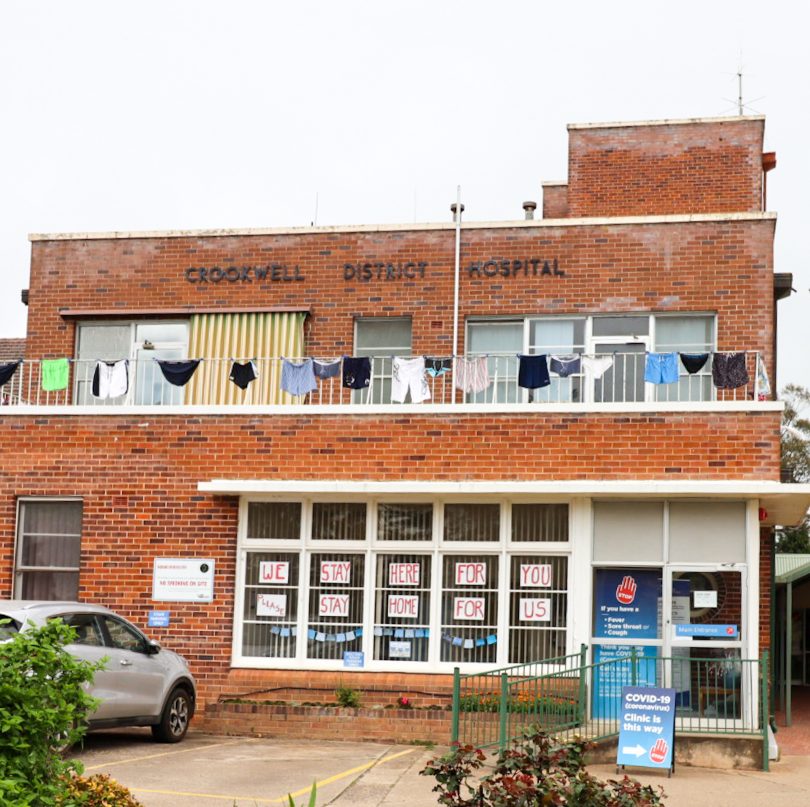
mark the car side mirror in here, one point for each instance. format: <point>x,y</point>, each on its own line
<point>152,647</point>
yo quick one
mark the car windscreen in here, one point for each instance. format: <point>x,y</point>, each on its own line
<point>8,627</point>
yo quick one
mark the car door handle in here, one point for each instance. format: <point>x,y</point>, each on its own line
<point>125,663</point>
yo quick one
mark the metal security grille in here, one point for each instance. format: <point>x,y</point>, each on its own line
<point>336,583</point>
<point>405,522</point>
<point>538,604</point>
<point>274,520</point>
<point>539,522</point>
<point>338,521</point>
<point>472,522</point>
<point>402,607</point>
<point>270,604</point>
<point>469,627</point>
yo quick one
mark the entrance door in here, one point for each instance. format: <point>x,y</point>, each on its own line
<point>625,340</point>
<point>703,636</point>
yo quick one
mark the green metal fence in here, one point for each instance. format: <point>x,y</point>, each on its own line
<point>570,696</point>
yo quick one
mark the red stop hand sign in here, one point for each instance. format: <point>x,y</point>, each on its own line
<point>658,753</point>
<point>626,590</point>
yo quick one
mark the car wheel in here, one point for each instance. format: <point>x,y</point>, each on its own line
<point>174,721</point>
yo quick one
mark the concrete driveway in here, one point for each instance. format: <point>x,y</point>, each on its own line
<point>252,772</point>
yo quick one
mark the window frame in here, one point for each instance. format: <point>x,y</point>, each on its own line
<point>586,390</point>
<point>434,551</point>
<point>134,347</point>
<point>18,568</point>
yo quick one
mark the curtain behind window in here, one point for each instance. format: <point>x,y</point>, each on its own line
<point>265,337</point>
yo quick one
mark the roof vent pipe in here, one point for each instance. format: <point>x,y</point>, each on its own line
<point>529,208</point>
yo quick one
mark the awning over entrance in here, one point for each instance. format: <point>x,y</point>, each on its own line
<point>783,504</point>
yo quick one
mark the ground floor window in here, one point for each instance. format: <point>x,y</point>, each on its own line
<point>430,584</point>
<point>49,537</point>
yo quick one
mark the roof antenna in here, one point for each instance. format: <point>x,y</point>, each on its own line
<point>741,107</point>
<point>314,221</point>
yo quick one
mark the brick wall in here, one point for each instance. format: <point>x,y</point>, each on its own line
<point>555,201</point>
<point>723,267</point>
<point>138,479</point>
<point>631,170</point>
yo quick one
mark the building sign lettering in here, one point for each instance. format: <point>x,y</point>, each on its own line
<point>380,270</point>
<point>529,267</point>
<point>273,272</point>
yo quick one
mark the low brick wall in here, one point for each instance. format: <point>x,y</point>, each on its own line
<point>326,722</point>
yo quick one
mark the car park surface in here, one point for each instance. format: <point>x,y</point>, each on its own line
<point>254,772</point>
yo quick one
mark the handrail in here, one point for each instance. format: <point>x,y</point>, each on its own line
<point>622,382</point>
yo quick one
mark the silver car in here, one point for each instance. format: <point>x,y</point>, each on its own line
<point>141,685</point>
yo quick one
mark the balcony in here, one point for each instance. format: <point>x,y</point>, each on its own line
<point>621,387</point>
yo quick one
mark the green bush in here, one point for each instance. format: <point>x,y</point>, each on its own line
<point>536,771</point>
<point>42,711</point>
<point>96,791</point>
<point>523,703</point>
<point>348,697</point>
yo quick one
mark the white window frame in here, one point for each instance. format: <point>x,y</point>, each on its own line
<point>436,549</point>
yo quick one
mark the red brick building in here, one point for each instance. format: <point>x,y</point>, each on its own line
<point>297,539</point>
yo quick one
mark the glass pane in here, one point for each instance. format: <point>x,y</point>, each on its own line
<point>469,631</point>
<point>162,332</point>
<point>624,380</point>
<point>335,605</point>
<point>49,586</point>
<point>405,522</point>
<point>123,636</point>
<point>472,522</point>
<point>621,326</point>
<point>51,550</point>
<point>51,518</point>
<point>537,608</point>
<point>392,335</point>
<point>274,520</point>
<point>625,604</point>
<point>150,385</point>
<point>104,342</point>
<point>87,629</point>
<point>557,335</point>
<point>539,522</point>
<point>339,521</point>
<point>685,334</point>
<point>402,607</point>
<point>271,604</point>
<point>501,342</point>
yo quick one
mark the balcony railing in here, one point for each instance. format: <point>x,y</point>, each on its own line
<point>622,382</point>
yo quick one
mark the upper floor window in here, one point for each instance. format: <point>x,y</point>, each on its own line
<point>622,341</point>
<point>381,339</point>
<point>140,342</point>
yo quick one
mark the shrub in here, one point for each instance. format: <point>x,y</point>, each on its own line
<point>536,771</point>
<point>96,791</point>
<point>348,697</point>
<point>42,710</point>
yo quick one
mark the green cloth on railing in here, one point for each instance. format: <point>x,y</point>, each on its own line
<point>54,374</point>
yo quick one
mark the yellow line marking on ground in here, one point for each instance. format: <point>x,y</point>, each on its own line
<point>281,799</point>
<point>162,754</point>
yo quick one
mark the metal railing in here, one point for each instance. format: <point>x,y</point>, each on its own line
<point>622,382</point>
<point>571,696</point>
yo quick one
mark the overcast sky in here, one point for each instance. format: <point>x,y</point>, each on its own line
<point>174,115</point>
